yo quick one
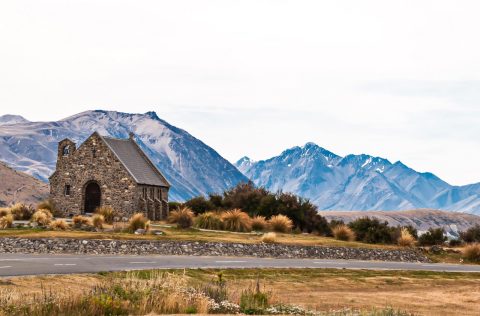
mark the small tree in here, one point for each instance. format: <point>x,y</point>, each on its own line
<point>471,235</point>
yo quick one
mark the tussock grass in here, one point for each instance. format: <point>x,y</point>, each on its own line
<point>138,221</point>
<point>6,221</point>
<point>259,223</point>
<point>21,211</point>
<point>4,211</point>
<point>98,221</point>
<point>280,224</point>
<point>80,221</point>
<point>42,217</point>
<point>237,221</point>
<point>58,224</point>
<point>107,212</point>
<point>182,217</point>
<point>472,252</point>
<point>343,232</point>
<point>209,220</point>
<point>269,238</point>
<point>406,239</point>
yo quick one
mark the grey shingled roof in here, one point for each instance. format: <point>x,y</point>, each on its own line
<point>136,162</point>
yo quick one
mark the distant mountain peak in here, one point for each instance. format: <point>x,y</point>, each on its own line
<point>9,119</point>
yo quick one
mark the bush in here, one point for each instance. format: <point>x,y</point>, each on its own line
<point>58,224</point>
<point>269,238</point>
<point>343,232</point>
<point>98,221</point>
<point>371,230</point>
<point>50,206</point>
<point>280,224</point>
<point>172,206</point>
<point>199,205</point>
<point>42,217</point>
<point>6,221</point>
<point>434,236</point>
<point>471,235</point>
<point>107,212</point>
<point>209,220</point>
<point>182,217</point>
<point>80,221</point>
<point>472,252</point>
<point>236,221</point>
<point>4,211</point>
<point>259,223</point>
<point>21,211</point>
<point>455,243</point>
<point>253,301</point>
<point>406,239</point>
<point>138,221</point>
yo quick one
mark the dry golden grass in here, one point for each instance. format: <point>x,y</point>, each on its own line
<point>21,211</point>
<point>236,221</point>
<point>58,224</point>
<point>182,217</point>
<point>4,211</point>
<point>6,221</point>
<point>472,252</point>
<point>321,289</point>
<point>280,224</point>
<point>98,221</point>
<point>80,220</point>
<point>406,239</point>
<point>42,217</point>
<point>209,220</point>
<point>259,223</point>
<point>138,221</point>
<point>269,238</point>
<point>343,232</point>
<point>107,212</point>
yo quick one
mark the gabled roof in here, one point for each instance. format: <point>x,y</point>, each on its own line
<point>136,161</point>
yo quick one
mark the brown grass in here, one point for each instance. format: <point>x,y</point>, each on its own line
<point>58,224</point>
<point>80,221</point>
<point>4,211</point>
<point>21,211</point>
<point>6,221</point>
<point>138,221</point>
<point>42,217</point>
<point>269,238</point>
<point>236,221</point>
<point>472,252</point>
<point>98,221</point>
<point>259,223</point>
<point>107,212</point>
<point>343,232</point>
<point>280,224</point>
<point>406,239</point>
<point>209,220</point>
<point>183,217</point>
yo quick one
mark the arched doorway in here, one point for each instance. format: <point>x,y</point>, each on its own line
<point>93,197</point>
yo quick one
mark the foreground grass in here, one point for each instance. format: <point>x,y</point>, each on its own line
<point>325,291</point>
<point>172,233</point>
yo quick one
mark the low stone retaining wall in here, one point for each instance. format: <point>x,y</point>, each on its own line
<point>192,248</point>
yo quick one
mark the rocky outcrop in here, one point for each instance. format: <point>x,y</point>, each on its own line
<point>192,248</point>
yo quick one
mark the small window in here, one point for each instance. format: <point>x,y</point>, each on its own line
<point>67,190</point>
<point>66,150</point>
<point>94,152</point>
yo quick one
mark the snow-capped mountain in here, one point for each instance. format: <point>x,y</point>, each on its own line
<point>357,182</point>
<point>191,167</point>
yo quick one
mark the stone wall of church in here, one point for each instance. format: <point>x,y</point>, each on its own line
<point>92,161</point>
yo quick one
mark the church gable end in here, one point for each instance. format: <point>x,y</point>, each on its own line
<point>93,175</point>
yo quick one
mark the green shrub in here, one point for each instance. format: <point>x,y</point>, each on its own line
<point>371,230</point>
<point>173,206</point>
<point>471,235</point>
<point>280,224</point>
<point>199,205</point>
<point>253,301</point>
<point>209,220</point>
<point>107,212</point>
<point>434,236</point>
<point>138,221</point>
<point>182,217</point>
<point>236,221</point>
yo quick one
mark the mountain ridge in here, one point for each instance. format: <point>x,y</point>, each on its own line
<point>192,167</point>
<point>357,182</point>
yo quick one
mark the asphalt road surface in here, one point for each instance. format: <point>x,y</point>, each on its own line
<point>28,264</point>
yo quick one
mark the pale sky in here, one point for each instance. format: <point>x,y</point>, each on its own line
<point>396,79</point>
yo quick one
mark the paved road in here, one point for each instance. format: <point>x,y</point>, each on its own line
<point>27,264</point>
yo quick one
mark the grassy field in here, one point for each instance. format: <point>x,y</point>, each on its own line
<point>172,233</point>
<point>418,293</point>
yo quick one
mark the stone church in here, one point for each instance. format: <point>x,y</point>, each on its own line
<point>108,171</point>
